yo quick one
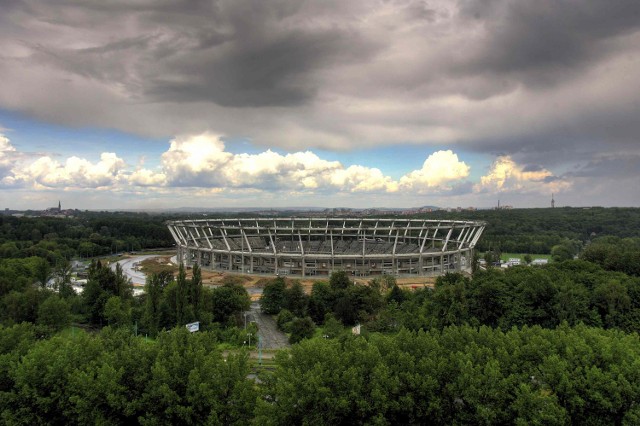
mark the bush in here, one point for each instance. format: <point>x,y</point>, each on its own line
<point>284,320</point>
<point>301,328</point>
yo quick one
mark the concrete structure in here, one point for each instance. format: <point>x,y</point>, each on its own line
<point>514,261</point>
<point>539,262</point>
<point>318,246</point>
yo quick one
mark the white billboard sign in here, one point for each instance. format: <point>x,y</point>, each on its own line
<point>194,326</point>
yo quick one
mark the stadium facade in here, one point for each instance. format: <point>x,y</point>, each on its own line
<point>310,247</point>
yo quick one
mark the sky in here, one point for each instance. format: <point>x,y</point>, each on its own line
<point>151,104</point>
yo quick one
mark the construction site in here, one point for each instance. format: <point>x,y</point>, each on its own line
<point>315,247</point>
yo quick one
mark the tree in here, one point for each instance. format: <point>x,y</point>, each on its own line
<point>295,299</point>
<point>228,302</point>
<point>449,304</point>
<point>42,272</point>
<point>488,300</point>
<point>196,290</point>
<point>101,285</point>
<point>320,302</point>
<point>345,309</point>
<point>301,328</point>
<point>332,327</point>
<point>54,313</point>
<point>612,300</point>
<point>182,296</point>
<point>273,296</point>
<point>383,284</point>
<point>475,262</point>
<point>123,287</point>
<point>284,319</point>
<point>117,312</point>
<point>339,280</point>
<point>396,295</point>
<point>156,283</point>
<point>560,253</point>
<point>63,279</point>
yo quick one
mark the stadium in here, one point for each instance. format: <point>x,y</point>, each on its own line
<point>308,247</point>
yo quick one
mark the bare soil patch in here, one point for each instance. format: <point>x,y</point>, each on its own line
<point>215,278</point>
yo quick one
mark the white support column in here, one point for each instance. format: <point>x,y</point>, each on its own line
<point>302,253</point>
<point>226,243</point>
<point>476,237</point>
<point>433,238</point>
<point>463,236</point>
<point>394,260</point>
<point>333,263</point>
<point>364,249</point>
<point>472,230</point>
<point>182,234</point>
<point>207,239</point>
<point>446,241</point>
<point>275,252</point>
<point>174,235</point>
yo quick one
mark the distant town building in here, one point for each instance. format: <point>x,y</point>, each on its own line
<point>539,262</point>
<point>55,209</point>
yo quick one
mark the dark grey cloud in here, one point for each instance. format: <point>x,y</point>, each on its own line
<point>550,83</point>
<point>541,39</point>
<point>230,53</point>
<point>612,166</point>
<point>268,72</point>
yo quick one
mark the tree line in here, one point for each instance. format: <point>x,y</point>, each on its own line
<point>107,300</point>
<point>85,235</point>
<point>457,375</point>
<point>615,254</point>
<point>537,231</point>
<point>574,292</point>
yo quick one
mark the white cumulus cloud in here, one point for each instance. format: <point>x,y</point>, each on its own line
<point>7,159</point>
<point>507,175</point>
<point>201,161</point>
<point>75,172</point>
<point>439,170</point>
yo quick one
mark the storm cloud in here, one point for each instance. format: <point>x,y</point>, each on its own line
<point>549,84</point>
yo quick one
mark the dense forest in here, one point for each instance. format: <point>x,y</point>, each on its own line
<point>537,231</point>
<point>85,235</point>
<point>458,375</point>
<point>556,344</point>
<point>89,234</point>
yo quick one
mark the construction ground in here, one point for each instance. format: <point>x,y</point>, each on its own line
<point>213,278</point>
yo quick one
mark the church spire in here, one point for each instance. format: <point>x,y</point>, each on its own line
<point>59,206</point>
<point>553,202</point>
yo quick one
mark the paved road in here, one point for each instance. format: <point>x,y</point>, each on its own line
<point>272,338</point>
<point>137,277</point>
